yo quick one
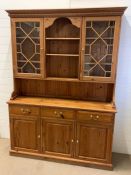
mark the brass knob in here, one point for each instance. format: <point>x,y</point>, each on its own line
<point>38,136</point>
<point>97,116</point>
<point>25,111</point>
<point>61,114</point>
<point>91,116</point>
<point>28,111</point>
<point>72,140</point>
<point>22,109</point>
<point>77,141</point>
<point>55,112</point>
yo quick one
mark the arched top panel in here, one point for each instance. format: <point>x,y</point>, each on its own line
<point>63,27</point>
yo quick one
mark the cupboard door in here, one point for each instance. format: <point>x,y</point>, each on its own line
<point>27,44</point>
<point>57,137</point>
<point>99,48</point>
<point>25,135</point>
<point>93,142</point>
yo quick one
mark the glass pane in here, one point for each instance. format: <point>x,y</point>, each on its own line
<point>27,26</point>
<point>35,32</point>
<point>28,68</point>
<point>36,57</point>
<point>97,71</point>
<point>99,48</point>
<point>28,47</point>
<point>100,26</point>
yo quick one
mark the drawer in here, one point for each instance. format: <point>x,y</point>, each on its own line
<point>57,113</point>
<point>24,110</point>
<point>95,116</point>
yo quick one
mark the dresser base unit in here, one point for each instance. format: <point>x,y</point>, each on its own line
<point>64,71</point>
<point>66,130</point>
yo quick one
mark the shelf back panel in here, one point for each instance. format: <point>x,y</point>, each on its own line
<point>62,27</point>
<point>62,66</point>
<point>61,89</point>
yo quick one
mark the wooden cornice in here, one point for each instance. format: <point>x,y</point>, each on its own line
<point>39,13</point>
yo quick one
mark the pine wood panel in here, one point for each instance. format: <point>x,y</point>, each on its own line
<point>62,46</point>
<point>95,116</point>
<point>93,142</point>
<point>58,137</point>
<point>24,110</point>
<point>60,89</point>
<point>57,113</point>
<point>62,27</point>
<point>64,67</point>
<point>25,133</point>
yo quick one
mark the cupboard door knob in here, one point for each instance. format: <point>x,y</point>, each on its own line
<point>77,141</point>
<point>38,136</point>
<point>72,140</point>
<point>97,116</point>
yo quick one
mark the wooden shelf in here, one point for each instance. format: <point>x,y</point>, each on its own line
<point>64,55</point>
<point>64,103</point>
<point>62,79</point>
<point>62,38</point>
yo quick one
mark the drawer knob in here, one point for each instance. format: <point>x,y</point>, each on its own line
<point>25,111</point>
<point>61,115</point>
<point>97,116</point>
<point>55,112</point>
<point>91,116</point>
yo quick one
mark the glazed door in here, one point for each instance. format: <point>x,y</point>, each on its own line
<point>27,41</point>
<point>57,137</point>
<point>93,142</point>
<point>99,48</point>
<point>25,134</point>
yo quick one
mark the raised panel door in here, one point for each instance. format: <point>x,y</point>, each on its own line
<point>25,135</point>
<point>93,142</point>
<point>57,137</point>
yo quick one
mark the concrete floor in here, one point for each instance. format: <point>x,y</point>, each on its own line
<point>10,165</point>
